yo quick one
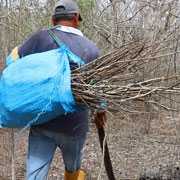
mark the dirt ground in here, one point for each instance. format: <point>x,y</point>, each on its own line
<point>138,145</point>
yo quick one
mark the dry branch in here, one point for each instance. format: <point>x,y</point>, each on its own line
<point>112,78</point>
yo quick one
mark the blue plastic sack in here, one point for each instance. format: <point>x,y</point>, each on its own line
<point>37,88</point>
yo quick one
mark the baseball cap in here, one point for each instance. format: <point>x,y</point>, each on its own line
<point>66,7</point>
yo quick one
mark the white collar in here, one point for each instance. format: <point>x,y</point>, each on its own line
<point>69,29</point>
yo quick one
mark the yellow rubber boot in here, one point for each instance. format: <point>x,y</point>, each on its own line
<point>77,175</point>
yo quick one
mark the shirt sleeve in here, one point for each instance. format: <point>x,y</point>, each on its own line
<point>29,46</point>
<point>95,53</point>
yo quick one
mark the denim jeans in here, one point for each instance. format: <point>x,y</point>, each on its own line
<point>42,146</point>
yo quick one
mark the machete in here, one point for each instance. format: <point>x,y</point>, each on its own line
<point>101,134</point>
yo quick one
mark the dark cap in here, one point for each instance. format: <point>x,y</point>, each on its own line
<point>66,7</point>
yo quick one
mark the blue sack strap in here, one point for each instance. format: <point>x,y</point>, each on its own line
<point>55,38</point>
<point>73,57</point>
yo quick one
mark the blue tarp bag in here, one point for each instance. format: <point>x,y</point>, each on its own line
<point>37,88</point>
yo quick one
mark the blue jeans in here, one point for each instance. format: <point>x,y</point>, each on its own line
<point>42,146</point>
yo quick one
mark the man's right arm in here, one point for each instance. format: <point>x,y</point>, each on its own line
<point>14,56</point>
<point>27,48</point>
<point>94,52</point>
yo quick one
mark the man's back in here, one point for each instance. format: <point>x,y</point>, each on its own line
<point>75,124</point>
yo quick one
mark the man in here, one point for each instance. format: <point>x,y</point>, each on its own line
<point>68,132</point>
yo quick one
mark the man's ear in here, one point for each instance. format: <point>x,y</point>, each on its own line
<point>76,20</point>
<point>53,21</point>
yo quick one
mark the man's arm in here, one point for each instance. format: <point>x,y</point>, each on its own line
<point>30,46</point>
<point>100,117</point>
<point>14,55</point>
<point>27,48</point>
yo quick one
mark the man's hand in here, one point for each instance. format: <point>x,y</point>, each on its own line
<point>100,118</point>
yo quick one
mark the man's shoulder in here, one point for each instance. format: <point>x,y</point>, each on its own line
<point>43,35</point>
<point>35,43</point>
<point>40,41</point>
<point>92,48</point>
<point>79,44</point>
<point>40,34</point>
<point>89,42</point>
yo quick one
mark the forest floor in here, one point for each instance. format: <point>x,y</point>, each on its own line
<point>142,144</point>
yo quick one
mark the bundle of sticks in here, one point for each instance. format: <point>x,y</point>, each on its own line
<point>117,77</point>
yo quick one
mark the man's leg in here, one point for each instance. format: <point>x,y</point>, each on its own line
<point>71,148</point>
<point>40,154</point>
